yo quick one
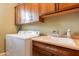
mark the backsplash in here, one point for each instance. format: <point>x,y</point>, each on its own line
<point>58,23</point>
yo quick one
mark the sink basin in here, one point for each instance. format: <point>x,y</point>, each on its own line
<point>63,41</point>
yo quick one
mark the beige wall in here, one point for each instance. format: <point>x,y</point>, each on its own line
<point>6,22</point>
<point>59,23</point>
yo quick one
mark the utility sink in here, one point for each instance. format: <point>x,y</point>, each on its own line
<point>63,41</point>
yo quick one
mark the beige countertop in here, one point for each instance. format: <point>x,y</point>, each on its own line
<point>63,42</point>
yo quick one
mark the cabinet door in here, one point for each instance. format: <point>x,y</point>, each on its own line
<point>34,12</point>
<point>66,6</point>
<point>40,49</point>
<point>46,8</point>
<point>28,15</point>
<point>19,13</point>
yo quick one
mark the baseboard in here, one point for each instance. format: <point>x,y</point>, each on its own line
<point>2,54</point>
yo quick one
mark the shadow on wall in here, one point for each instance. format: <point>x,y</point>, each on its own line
<point>7,24</point>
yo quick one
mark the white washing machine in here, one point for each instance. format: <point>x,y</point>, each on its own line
<point>20,44</point>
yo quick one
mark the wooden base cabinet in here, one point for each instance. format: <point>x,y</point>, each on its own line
<point>44,49</point>
<point>40,52</point>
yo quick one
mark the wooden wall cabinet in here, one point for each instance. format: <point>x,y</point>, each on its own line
<point>48,8</point>
<point>67,6</point>
<point>45,8</point>
<point>27,13</point>
<point>33,12</point>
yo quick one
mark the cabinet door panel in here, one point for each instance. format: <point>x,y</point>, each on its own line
<point>42,7</point>
<point>34,12</point>
<point>50,7</point>
<point>40,49</point>
<point>66,6</point>
<point>46,8</point>
<point>27,13</point>
<point>22,13</point>
<point>19,13</point>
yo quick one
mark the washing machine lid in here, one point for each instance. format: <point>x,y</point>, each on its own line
<point>15,36</point>
<point>24,34</point>
<point>29,33</point>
